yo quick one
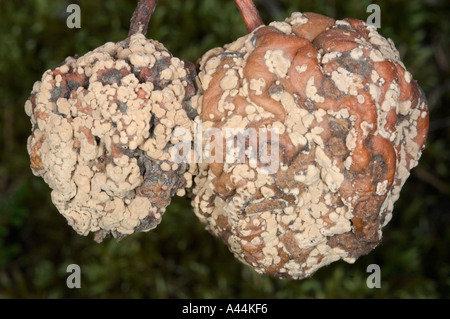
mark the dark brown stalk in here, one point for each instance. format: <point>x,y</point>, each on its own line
<point>141,16</point>
<point>250,14</point>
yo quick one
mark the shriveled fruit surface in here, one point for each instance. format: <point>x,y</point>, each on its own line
<point>102,135</point>
<point>351,121</point>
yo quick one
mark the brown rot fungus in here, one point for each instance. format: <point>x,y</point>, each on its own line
<point>102,134</point>
<point>326,124</point>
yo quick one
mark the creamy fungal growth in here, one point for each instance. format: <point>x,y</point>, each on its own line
<point>102,135</point>
<point>352,123</point>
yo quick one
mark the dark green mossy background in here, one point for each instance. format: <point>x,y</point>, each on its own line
<point>180,259</point>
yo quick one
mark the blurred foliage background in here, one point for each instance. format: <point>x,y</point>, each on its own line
<point>180,259</point>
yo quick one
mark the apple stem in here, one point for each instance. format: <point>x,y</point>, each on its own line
<point>141,16</point>
<point>250,14</point>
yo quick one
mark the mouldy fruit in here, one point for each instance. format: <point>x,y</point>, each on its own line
<point>102,135</point>
<point>352,124</point>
